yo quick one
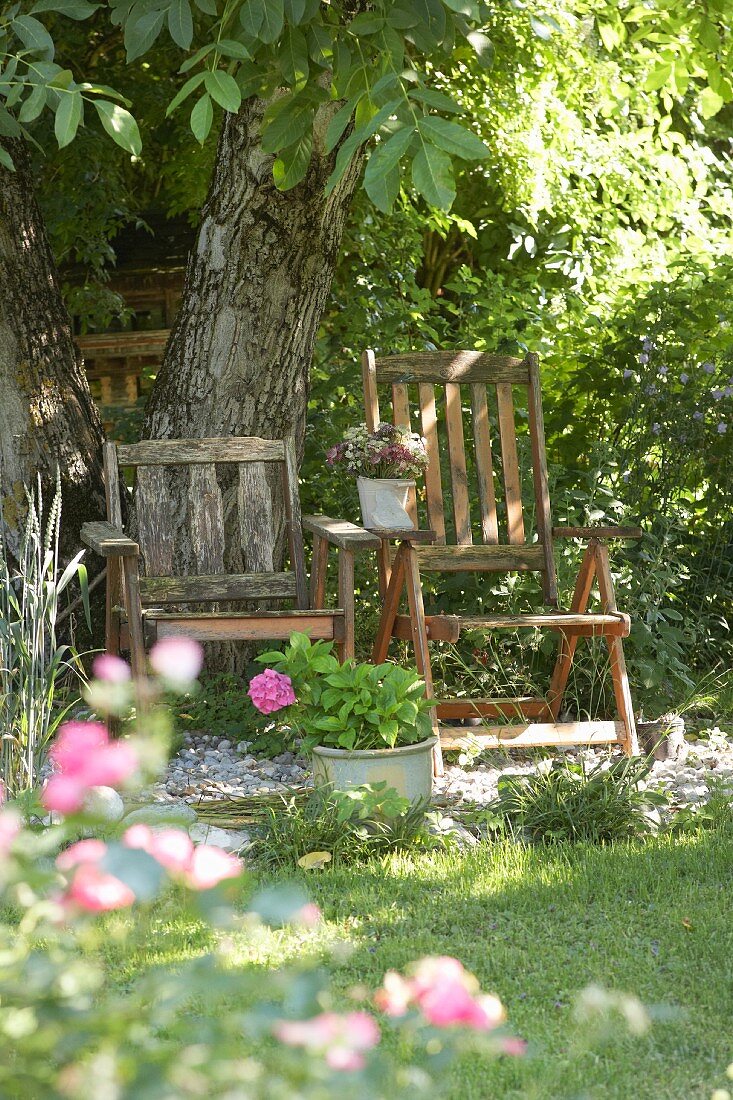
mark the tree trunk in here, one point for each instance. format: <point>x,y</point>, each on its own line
<point>47,416</point>
<point>256,286</point>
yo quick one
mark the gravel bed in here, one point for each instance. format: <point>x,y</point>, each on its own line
<point>210,768</point>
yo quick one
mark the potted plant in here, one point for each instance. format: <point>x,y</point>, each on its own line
<point>361,723</point>
<point>386,463</point>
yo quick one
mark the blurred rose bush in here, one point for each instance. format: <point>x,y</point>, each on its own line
<point>69,1031</point>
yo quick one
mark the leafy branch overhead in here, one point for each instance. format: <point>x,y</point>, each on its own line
<point>333,75</point>
<point>31,81</point>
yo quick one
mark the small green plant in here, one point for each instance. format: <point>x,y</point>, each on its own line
<point>346,826</point>
<point>715,813</point>
<point>349,705</point>
<point>568,803</point>
<point>221,706</point>
<point>32,662</point>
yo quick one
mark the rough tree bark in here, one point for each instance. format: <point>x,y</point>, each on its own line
<point>47,416</point>
<point>256,286</point>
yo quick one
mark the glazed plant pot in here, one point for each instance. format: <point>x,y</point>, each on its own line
<point>409,768</point>
<point>384,503</point>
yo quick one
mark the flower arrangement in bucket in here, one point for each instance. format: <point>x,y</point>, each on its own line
<point>362,723</point>
<point>386,463</point>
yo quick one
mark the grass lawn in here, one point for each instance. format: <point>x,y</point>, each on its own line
<point>537,925</point>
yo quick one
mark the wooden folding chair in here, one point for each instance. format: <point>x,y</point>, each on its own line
<point>149,603</point>
<point>441,382</point>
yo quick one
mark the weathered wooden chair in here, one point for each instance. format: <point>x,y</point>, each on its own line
<point>442,382</point>
<point>140,601</point>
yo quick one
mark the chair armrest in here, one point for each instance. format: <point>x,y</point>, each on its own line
<point>597,532</point>
<point>109,540</point>
<point>341,533</point>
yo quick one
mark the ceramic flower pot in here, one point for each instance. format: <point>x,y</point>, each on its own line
<point>409,768</point>
<point>384,502</point>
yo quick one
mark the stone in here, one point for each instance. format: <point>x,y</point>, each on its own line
<point>161,813</point>
<point>105,804</point>
<point>231,840</point>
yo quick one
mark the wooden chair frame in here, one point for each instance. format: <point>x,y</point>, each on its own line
<point>138,606</point>
<point>535,719</point>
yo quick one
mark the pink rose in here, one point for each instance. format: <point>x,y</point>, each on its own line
<point>86,758</point>
<point>270,691</point>
<point>84,851</point>
<point>97,892</point>
<point>11,824</point>
<point>177,660</point>
<point>342,1040</point>
<point>209,866</point>
<point>172,848</point>
<point>444,992</point>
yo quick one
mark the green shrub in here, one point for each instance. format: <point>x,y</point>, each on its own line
<point>568,803</point>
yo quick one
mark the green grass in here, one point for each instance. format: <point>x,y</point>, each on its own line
<point>537,925</point>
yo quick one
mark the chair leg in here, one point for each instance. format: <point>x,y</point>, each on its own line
<point>566,652</point>
<point>420,642</point>
<point>319,565</point>
<point>390,606</point>
<point>621,689</point>
<point>346,602</point>
<point>113,595</point>
<point>133,607</point>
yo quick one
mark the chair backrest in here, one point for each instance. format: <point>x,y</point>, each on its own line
<point>206,517</point>
<point>428,394</point>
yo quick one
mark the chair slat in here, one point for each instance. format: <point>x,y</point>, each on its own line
<point>484,463</point>
<point>371,398</point>
<point>433,485</point>
<point>207,519</point>
<point>450,366</point>
<point>254,513</point>
<point>539,474</point>
<point>401,414</point>
<point>184,452</point>
<point>492,559</point>
<point>155,520</point>
<point>457,457</point>
<point>157,591</point>
<point>510,463</point>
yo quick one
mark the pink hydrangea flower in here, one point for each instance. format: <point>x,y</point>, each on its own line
<point>86,758</point>
<point>342,1040</point>
<point>270,691</point>
<point>177,660</point>
<point>111,669</point>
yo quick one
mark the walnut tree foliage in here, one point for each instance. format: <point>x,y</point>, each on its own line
<point>32,82</point>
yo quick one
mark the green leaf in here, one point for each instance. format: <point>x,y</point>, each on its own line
<point>469,8</point>
<point>202,117</point>
<point>382,177</point>
<point>437,100</point>
<point>658,77</point>
<point>33,34</point>
<point>73,9</point>
<point>483,47</point>
<point>229,47</point>
<point>294,56</point>
<point>194,59</point>
<point>68,116</point>
<point>224,90</point>
<point>180,23</point>
<point>8,124</point>
<point>338,124</point>
<point>294,11</point>
<point>292,164</point>
<point>286,124</point>
<point>366,23</point>
<point>432,175</point>
<point>190,86</point>
<point>540,27</point>
<point>33,105</point>
<point>120,125</point>
<point>208,7</point>
<point>141,33</point>
<point>455,139</point>
<point>710,103</point>
<point>6,160</point>
<point>263,19</point>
